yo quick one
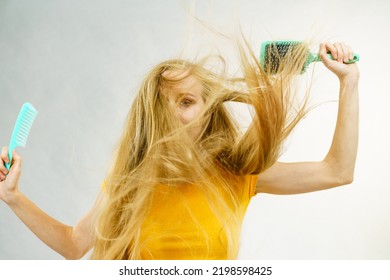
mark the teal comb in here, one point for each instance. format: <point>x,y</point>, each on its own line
<point>21,130</point>
<point>272,54</point>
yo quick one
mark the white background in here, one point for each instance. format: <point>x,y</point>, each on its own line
<point>79,63</point>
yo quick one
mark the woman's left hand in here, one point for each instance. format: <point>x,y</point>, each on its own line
<point>341,54</point>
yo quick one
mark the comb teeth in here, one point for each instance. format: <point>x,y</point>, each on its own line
<point>24,124</point>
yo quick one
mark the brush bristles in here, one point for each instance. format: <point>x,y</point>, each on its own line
<point>275,53</point>
<point>287,56</point>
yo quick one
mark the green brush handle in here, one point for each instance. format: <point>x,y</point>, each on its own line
<point>316,57</point>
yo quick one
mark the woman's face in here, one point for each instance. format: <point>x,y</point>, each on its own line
<point>187,99</point>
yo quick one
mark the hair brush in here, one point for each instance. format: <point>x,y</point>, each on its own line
<point>274,53</point>
<point>21,130</point>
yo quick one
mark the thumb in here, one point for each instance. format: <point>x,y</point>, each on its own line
<point>16,165</point>
<point>326,60</point>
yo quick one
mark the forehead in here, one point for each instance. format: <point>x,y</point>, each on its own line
<point>183,82</point>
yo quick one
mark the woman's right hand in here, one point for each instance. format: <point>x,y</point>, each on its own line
<point>9,180</point>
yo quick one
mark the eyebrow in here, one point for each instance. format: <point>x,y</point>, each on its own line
<point>181,94</point>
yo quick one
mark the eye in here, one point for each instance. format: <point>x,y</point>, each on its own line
<point>186,102</point>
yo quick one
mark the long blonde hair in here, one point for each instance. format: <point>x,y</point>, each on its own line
<point>155,149</point>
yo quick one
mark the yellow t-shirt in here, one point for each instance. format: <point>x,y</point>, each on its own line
<point>180,220</point>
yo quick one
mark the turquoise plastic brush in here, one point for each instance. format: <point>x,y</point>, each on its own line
<point>272,54</point>
<point>21,130</point>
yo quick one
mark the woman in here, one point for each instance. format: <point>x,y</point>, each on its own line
<point>183,174</point>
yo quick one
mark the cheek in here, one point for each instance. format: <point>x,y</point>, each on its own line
<point>189,114</point>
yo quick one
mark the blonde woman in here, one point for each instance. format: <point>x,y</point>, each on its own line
<point>183,174</point>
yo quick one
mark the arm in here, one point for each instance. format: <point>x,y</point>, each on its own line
<point>70,242</point>
<point>337,168</point>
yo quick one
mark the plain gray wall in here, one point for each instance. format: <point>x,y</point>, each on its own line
<point>79,63</point>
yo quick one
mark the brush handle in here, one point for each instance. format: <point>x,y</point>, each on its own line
<point>353,60</point>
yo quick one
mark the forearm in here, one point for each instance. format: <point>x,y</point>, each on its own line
<point>343,151</point>
<point>55,234</point>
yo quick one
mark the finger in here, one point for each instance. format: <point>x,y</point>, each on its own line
<point>3,170</point>
<point>4,154</point>
<point>4,159</point>
<point>346,52</point>
<point>340,53</point>
<point>324,58</point>
<point>350,53</point>
<point>2,176</point>
<point>329,47</point>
